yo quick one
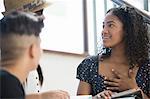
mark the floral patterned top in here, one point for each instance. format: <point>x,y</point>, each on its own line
<point>87,71</point>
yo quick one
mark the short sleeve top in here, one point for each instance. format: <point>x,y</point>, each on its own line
<point>87,71</point>
<point>10,86</point>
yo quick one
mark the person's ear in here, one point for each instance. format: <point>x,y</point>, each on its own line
<point>33,50</point>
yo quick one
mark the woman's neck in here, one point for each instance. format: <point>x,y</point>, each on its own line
<point>118,55</point>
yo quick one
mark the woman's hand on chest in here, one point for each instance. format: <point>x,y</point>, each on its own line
<point>120,81</point>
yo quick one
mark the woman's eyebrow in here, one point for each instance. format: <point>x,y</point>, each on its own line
<point>108,22</point>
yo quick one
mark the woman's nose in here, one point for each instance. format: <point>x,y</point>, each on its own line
<point>104,31</point>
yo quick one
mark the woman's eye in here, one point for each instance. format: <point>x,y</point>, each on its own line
<point>110,25</point>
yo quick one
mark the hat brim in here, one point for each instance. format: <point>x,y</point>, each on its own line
<point>42,6</point>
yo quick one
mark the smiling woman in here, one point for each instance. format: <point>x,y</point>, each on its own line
<point>124,61</point>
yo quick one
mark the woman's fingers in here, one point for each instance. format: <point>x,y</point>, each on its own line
<point>107,94</point>
<point>111,79</point>
<point>104,95</point>
<point>113,88</point>
<point>110,83</point>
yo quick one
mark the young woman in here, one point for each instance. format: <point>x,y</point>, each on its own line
<point>124,63</point>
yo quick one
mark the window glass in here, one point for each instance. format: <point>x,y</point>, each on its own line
<point>1,8</point>
<point>137,3</point>
<point>63,29</point>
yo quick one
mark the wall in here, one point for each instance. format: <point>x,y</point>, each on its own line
<point>59,72</point>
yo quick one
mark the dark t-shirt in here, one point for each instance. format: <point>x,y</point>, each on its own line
<point>10,86</point>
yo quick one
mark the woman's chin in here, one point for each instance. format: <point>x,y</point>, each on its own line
<point>107,46</point>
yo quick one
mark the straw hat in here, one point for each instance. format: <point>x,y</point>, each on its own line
<point>24,5</point>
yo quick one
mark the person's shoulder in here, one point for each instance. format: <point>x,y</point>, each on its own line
<point>4,74</point>
<point>87,68</point>
<point>9,83</point>
<point>145,67</point>
<point>7,78</point>
<point>146,64</point>
<point>89,62</point>
<point>92,57</point>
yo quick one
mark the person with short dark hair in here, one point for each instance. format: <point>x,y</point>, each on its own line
<point>124,62</point>
<point>20,54</point>
<point>35,6</point>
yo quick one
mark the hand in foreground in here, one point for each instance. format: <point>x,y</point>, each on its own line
<point>56,94</point>
<point>121,82</point>
<point>103,95</point>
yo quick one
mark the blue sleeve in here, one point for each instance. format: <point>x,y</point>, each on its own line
<point>143,78</point>
<point>84,70</point>
<point>147,87</point>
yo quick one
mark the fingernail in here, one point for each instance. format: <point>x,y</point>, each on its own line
<point>130,71</point>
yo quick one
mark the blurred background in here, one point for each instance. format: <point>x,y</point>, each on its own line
<point>72,32</point>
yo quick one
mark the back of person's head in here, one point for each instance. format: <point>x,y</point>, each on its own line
<point>135,34</point>
<point>18,31</point>
<point>35,6</point>
<point>24,5</point>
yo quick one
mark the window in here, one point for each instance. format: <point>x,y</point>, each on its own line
<point>63,29</point>
<point>69,22</point>
<point>1,8</point>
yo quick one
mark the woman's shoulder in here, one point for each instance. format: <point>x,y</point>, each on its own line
<point>86,68</point>
<point>146,64</point>
<point>91,59</point>
<point>145,67</point>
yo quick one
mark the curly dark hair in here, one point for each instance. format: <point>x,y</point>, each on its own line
<point>135,35</point>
